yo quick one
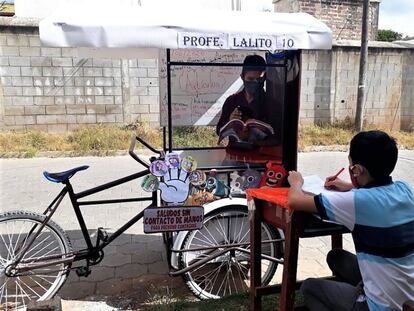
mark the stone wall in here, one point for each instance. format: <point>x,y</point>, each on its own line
<point>330,85</point>
<point>342,16</point>
<point>52,89</point>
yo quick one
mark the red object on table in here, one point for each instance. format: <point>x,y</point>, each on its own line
<point>278,196</point>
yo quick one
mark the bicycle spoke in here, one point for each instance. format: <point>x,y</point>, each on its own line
<point>16,230</point>
<point>8,249</point>
<point>42,278</point>
<point>36,246</point>
<point>18,238</point>
<point>31,289</point>
<point>40,285</point>
<point>23,292</point>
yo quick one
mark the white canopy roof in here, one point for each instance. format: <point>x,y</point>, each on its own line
<point>138,27</point>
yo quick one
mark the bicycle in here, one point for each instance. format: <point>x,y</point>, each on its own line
<point>36,254</point>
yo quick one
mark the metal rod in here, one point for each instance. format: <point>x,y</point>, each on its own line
<point>58,199</point>
<point>222,246</point>
<point>111,184</point>
<point>169,100</point>
<point>121,230</point>
<point>110,201</point>
<point>201,262</point>
<point>264,256</point>
<point>79,216</point>
<point>172,63</point>
<point>198,148</point>
<point>164,139</point>
<point>31,266</point>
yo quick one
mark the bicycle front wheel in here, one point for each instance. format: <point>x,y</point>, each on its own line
<point>16,230</point>
<point>227,273</point>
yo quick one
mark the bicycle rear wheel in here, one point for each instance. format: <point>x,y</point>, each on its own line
<point>228,273</point>
<point>35,284</point>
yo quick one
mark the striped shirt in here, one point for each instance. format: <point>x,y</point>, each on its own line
<point>381,218</point>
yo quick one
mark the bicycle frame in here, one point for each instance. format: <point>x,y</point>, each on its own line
<point>91,252</point>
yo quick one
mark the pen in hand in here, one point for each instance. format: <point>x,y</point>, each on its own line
<point>337,174</point>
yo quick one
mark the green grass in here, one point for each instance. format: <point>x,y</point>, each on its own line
<point>231,303</point>
<point>106,140</point>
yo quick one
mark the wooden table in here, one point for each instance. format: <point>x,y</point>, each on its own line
<point>295,225</point>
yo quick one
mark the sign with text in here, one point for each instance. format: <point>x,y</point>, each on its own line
<point>261,42</point>
<point>202,41</point>
<point>252,42</point>
<point>162,219</point>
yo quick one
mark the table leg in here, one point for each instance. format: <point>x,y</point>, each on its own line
<point>287,294</point>
<point>336,241</point>
<point>255,258</point>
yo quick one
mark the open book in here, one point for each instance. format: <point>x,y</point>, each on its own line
<point>245,134</point>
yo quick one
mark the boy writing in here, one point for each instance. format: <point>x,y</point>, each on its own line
<point>380,214</point>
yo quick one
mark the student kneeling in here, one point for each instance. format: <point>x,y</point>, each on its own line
<point>380,214</point>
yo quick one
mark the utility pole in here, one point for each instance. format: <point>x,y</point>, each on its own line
<point>359,116</point>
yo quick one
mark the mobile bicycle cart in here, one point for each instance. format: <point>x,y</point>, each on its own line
<point>190,46</point>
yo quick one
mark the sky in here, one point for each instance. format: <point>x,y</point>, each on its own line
<point>397,15</point>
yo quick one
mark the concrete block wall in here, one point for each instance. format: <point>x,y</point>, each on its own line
<point>329,93</point>
<point>53,89</point>
<point>342,16</point>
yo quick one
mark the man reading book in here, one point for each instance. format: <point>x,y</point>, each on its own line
<point>249,103</point>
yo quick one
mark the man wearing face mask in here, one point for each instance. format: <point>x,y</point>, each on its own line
<point>249,102</point>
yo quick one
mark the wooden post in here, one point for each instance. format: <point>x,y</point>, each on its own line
<point>255,255</point>
<point>408,306</point>
<point>359,114</point>
<point>290,266</point>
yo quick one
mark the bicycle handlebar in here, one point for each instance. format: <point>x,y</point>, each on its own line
<point>143,142</point>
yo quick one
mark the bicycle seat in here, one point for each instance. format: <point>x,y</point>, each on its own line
<point>63,176</point>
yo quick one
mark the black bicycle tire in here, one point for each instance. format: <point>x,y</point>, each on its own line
<point>238,208</point>
<point>20,214</point>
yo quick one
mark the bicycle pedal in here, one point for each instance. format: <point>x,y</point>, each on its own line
<point>102,234</point>
<point>83,271</point>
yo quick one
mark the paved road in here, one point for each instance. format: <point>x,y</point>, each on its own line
<point>137,254</point>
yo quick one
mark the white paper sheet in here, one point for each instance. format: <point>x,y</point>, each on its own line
<point>313,184</point>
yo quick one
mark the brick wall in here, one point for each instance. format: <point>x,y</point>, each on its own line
<point>342,16</point>
<point>330,84</point>
<point>52,89</point>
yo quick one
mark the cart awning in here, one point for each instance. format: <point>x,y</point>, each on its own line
<point>140,27</point>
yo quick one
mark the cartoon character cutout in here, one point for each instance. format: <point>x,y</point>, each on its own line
<point>201,198</point>
<point>274,175</point>
<point>175,182</point>
<point>197,178</point>
<point>158,168</point>
<point>215,185</point>
<point>150,183</point>
<point>172,160</point>
<point>236,182</point>
<point>188,164</point>
<point>251,179</point>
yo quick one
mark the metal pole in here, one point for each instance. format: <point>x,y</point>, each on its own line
<point>359,116</point>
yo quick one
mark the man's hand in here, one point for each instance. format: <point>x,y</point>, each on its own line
<point>337,184</point>
<point>295,179</point>
<point>236,114</point>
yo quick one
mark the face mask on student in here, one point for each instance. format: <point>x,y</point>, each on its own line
<point>252,87</point>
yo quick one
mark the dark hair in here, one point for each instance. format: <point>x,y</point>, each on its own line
<point>376,151</point>
<point>253,63</point>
